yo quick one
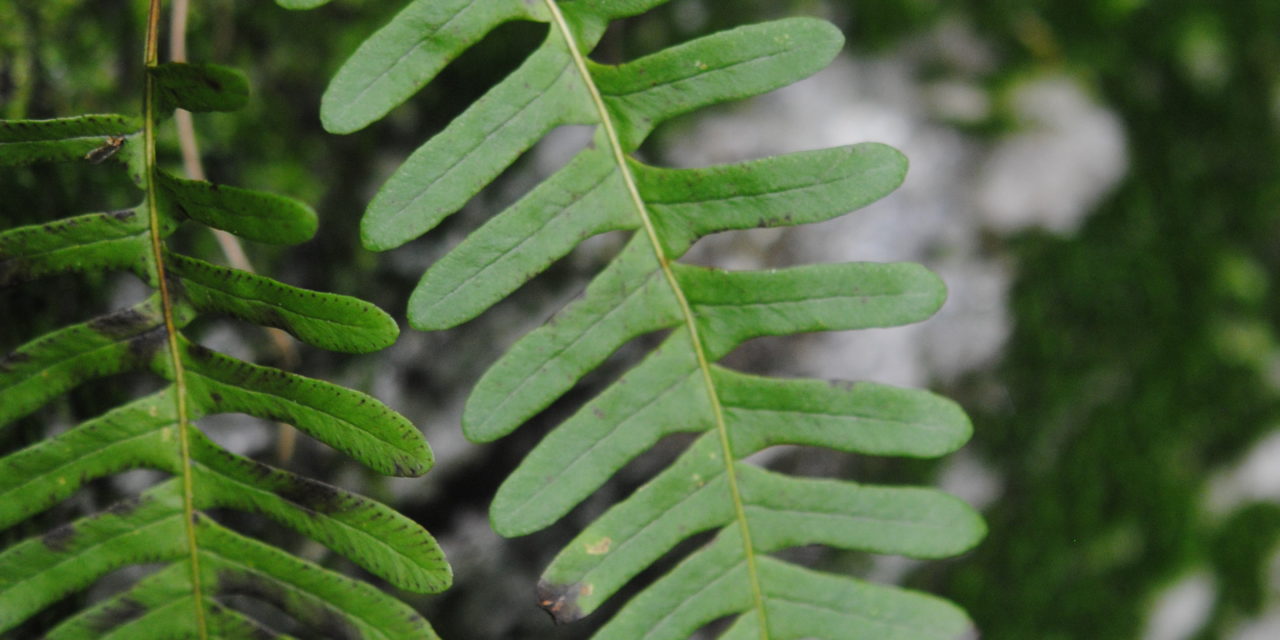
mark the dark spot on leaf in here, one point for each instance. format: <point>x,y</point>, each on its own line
<point>176,285</point>
<point>122,324</point>
<point>560,600</point>
<point>14,358</point>
<point>407,469</point>
<point>146,345</point>
<point>258,469</point>
<point>217,397</point>
<point>313,495</point>
<point>325,621</point>
<point>199,352</point>
<point>123,214</point>
<point>60,538</point>
<point>115,615</point>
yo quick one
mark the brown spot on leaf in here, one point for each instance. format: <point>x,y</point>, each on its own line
<point>313,495</point>
<point>199,352</point>
<point>147,344</point>
<point>122,324</point>
<point>560,600</point>
<point>600,547</point>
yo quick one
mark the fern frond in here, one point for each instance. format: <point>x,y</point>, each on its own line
<point>678,388</point>
<point>204,562</point>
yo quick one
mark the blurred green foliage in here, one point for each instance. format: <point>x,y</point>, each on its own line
<point>1143,354</point>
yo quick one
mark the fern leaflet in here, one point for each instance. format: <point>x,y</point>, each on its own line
<point>204,561</point>
<point>678,388</point>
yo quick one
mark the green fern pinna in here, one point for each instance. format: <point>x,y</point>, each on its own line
<point>203,562</point>
<point>678,388</point>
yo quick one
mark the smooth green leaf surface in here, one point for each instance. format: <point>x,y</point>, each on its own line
<point>729,65</point>
<point>253,215</point>
<point>301,4</point>
<point>862,417</point>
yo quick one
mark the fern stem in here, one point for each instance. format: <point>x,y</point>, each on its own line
<point>690,322</point>
<point>166,302</point>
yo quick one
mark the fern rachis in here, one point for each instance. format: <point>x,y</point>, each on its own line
<point>689,321</point>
